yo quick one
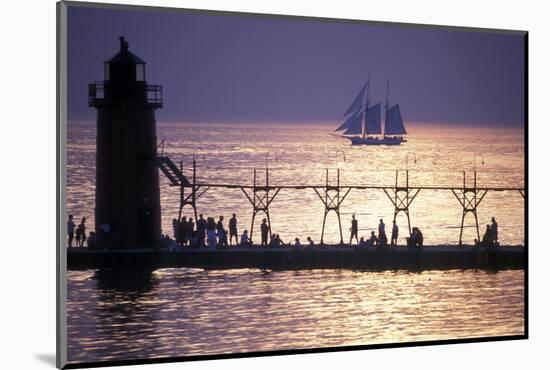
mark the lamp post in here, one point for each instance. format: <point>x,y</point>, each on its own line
<point>407,160</point>
<point>267,158</point>
<point>476,155</point>
<point>200,154</point>
<point>343,156</point>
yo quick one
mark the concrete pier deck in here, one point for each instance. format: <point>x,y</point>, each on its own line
<point>288,258</point>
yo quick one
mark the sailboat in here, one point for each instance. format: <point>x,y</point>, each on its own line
<point>363,123</point>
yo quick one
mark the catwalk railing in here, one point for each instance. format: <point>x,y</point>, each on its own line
<point>261,195</point>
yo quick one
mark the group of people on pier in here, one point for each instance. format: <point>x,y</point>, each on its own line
<point>207,232</point>
<point>490,238</point>
<point>381,240</point>
<point>77,233</point>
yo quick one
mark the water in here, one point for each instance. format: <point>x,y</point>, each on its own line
<point>299,156</point>
<point>179,312</point>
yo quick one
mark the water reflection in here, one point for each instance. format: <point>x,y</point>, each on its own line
<point>179,312</point>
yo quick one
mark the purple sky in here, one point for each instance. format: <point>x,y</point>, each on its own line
<point>216,68</point>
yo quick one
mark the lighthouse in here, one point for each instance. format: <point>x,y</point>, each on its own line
<point>127,196</point>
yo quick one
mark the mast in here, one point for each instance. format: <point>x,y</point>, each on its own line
<point>364,118</point>
<point>387,104</point>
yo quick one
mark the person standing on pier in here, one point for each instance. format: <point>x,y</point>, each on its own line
<point>233,230</point>
<point>70,230</point>
<point>91,240</point>
<point>81,233</point>
<point>106,234</point>
<point>382,238</point>
<point>222,235</point>
<point>211,232</point>
<point>265,232</point>
<point>201,230</point>
<point>394,233</point>
<point>191,235</point>
<point>494,231</point>
<point>183,231</point>
<point>487,237</point>
<point>175,229</point>
<point>354,228</point>
<point>417,238</point>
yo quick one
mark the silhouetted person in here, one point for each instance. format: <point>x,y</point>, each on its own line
<point>81,233</point>
<point>191,236</point>
<point>190,225</point>
<point>353,229</point>
<point>175,228</point>
<point>372,240</point>
<point>222,234</point>
<point>362,243</point>
<point>245,240</point>
<point>183,231</point>
<point>78,235</point>
<point>487,240</point>
<point>382,238</point>
<point>211,232</point>
<point>106,234</point>
<point>201,231</point>
<point>394,233</point>
<point>417,239</point>
<point>91,240</point>
<point>273,241</point>
<point>310,241</point>
<point>265,232</point>
<point>494,231</point>
<point>297,243</point>
<point>70,230</point>
<point>233,230</point>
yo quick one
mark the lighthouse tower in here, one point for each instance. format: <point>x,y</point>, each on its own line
<point>127,181</point>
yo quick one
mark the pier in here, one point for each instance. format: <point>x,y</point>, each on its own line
<point>288,258</point>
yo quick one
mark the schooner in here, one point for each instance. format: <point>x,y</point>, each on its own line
<point>363,125</point>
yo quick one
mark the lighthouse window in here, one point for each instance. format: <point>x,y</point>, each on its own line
<point>140,72</point>
<point>106,65</point>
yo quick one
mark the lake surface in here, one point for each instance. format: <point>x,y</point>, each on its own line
<point>179,312</point>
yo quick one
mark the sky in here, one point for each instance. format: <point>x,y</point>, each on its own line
<point>235,68</point>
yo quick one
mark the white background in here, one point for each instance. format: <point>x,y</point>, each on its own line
<point>27,203</point>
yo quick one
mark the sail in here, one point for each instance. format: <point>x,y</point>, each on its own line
<point>358,102</point>
<point>355,125</point>
<point>373,124</point>
<point>349,121</point>
<point>394,123</point>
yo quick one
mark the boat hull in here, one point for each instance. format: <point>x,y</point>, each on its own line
<point>387,140</point>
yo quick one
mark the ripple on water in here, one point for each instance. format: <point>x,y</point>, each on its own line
<point>181,312</point>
